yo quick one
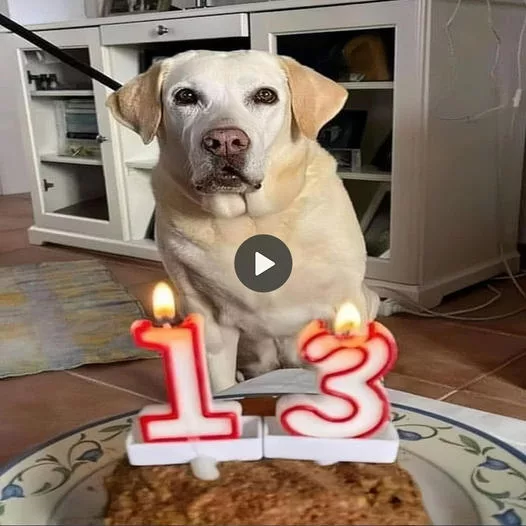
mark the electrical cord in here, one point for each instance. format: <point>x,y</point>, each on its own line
<point>521,274</point>
<point>423,312</point>
<point>518,92</point>
<point>454,68</point>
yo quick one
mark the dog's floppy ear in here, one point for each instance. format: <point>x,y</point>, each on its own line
<point>138,103</point>
<point>315,98</point>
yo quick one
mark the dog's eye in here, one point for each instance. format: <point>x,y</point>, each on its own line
<point>185,97</point>
<point>265,96</point>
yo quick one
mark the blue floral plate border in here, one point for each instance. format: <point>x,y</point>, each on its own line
<point>43,484</point>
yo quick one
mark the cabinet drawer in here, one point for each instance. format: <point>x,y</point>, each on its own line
<point>194,28</point>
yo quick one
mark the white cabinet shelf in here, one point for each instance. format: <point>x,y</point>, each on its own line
<point>142,164</point>
<point>66,159</point>
<point>63,93</point>
<point>367,85</point>
<point>429,218</point>
<point>369,173</point>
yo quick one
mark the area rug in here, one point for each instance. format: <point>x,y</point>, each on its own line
<point>56,316</point>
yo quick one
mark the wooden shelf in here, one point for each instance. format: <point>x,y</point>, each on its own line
<point>63,93</point>
<point>369,173</point>
<point>65,159</point>
<point>142,164</point>
<point>367,85</point>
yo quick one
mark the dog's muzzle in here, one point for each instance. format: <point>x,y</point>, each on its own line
<point>227,148</point>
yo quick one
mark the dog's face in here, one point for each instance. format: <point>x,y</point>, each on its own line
<point>221,117</point>
<point>224,111</point>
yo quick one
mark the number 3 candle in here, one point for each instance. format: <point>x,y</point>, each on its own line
<point>350,365</point>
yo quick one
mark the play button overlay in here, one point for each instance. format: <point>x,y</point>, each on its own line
<point>263,263</point>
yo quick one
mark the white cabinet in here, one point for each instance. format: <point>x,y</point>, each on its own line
<point>68,137</point>
<point>434,210</point>
<point>438,186</point>
<point>392,108</point>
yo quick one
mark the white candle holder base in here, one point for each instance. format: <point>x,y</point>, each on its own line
<point>248,447</point>
<point>381,448</point>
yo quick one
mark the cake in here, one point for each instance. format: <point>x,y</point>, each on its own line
<point>265,492</point>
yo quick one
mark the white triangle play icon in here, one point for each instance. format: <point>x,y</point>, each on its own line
<point>262,263</point>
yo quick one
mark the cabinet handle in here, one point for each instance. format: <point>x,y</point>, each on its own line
<point>100,139</point>
<point>162,30</point>
<point>47,185</point>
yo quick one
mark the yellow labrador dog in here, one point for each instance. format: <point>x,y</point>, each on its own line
<point>238,157</point>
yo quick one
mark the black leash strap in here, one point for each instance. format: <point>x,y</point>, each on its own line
<point>43,44</point>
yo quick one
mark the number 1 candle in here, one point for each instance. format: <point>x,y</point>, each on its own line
<point>191,413</point>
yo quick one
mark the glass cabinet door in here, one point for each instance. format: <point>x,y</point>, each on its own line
<point>69,137</point>
<point>370,50</point>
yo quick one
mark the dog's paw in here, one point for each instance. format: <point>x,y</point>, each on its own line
<point>240,377</point>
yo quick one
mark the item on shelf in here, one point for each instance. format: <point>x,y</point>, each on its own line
<point>81,151</point>
<point>366,57</point>
<point>52,81</point>
<point>343,134</point>
<point>33,80</point>
<point>356,77</point>
<point>327,61</point>
<point>77,128</point>
<point>43,81</point>
<point>117,7</point>
<point>356,160</point>
<point>384,156</point>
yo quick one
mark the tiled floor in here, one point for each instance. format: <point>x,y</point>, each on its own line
<point>481,365</point>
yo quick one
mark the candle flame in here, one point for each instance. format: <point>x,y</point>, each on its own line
<point>163,302</point>
<point>347,320</point>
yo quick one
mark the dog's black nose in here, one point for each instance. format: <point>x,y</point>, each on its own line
<point>225,142</point>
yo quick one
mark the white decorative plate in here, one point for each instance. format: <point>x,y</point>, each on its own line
<point>466,476</point>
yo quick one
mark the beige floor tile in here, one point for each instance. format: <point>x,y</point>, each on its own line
<point>416,386</point>
<point>508,383</point>
<point>449,355</point>
<point>13,240</point>
<point>15,212</point>
<point>488,404</point>
<point>510,301</point>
